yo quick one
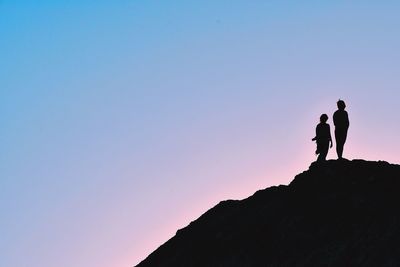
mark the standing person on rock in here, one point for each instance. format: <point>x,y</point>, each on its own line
<point>323,138</point>
<point>341,121</point>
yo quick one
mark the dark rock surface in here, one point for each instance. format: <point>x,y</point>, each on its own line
<point>341,213</point>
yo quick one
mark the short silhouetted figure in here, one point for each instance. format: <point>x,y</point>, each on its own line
<point>341,121</point>
<point>323,138</point>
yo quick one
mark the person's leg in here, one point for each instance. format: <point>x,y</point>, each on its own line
<point>344,137</point>
<point>323,152</point>
<point>321,157</point>
<point>340,137</point>
<point>339,150</point>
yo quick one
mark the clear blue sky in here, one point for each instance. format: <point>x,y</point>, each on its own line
<point>122,121</point>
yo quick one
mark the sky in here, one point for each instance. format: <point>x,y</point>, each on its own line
<point>123,121</point>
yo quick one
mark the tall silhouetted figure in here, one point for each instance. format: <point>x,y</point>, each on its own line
<point>341,121</point>
<point>323,138</point>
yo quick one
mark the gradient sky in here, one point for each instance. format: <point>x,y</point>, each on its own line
<point>122,121</point>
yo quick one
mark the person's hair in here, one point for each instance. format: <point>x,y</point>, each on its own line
<point>323,118</point>
<point>341,105</point>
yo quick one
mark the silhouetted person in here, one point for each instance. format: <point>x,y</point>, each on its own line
<point>341,121</point>
<point>323,138</point>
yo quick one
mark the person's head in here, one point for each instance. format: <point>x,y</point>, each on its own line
<point>341,105</point>
<point>323,118</point>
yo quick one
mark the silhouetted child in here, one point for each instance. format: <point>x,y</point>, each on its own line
<point>341,121</point>
<point>323,138</point>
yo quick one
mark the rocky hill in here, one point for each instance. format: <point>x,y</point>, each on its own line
<point>341,213</point>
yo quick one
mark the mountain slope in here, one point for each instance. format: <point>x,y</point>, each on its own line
<point>341,213</point>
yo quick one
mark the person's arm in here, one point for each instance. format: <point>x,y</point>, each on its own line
<point>347,120</point>
<point>330,137</point>
<point>316,133</point>
<point>335,118</point>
